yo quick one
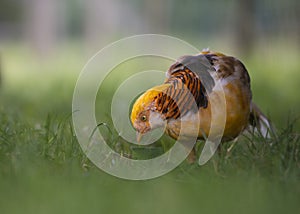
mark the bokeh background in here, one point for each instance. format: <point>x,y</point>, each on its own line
<point>44,44</point>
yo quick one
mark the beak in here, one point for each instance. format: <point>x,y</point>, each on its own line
<point>139,136</point>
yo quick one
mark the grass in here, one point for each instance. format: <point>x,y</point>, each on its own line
<point>43,169</point>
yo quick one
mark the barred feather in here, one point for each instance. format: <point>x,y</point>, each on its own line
<point>186,78</point>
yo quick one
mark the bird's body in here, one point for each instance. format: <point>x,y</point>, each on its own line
<point>190,90</point>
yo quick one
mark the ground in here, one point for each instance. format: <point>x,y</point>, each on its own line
<point>43,169</point>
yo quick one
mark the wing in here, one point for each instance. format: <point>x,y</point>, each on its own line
<point>228,67</point>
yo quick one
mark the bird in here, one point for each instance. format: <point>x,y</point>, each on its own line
<point>169,104</point>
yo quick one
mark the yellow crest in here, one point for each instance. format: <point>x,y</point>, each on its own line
<point>146,99</point>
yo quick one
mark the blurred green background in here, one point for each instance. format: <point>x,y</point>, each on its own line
<point>44,44</point>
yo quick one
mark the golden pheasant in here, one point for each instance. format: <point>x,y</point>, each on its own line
<point>168,104</point>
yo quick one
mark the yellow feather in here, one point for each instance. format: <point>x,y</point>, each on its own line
<point>145,100</point>
<point>206,51</point>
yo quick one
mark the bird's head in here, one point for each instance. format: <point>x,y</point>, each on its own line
<point>144,116</point>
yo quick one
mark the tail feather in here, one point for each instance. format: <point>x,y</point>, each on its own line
<point>260,123</point>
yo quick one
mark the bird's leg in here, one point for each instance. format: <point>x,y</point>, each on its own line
<point>228,152</point>
<point>192,157</point>
<point>188,144</point>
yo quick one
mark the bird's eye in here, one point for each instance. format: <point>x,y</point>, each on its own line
<point>144,118</point>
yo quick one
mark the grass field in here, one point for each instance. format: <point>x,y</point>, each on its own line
<point>43,169</point>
